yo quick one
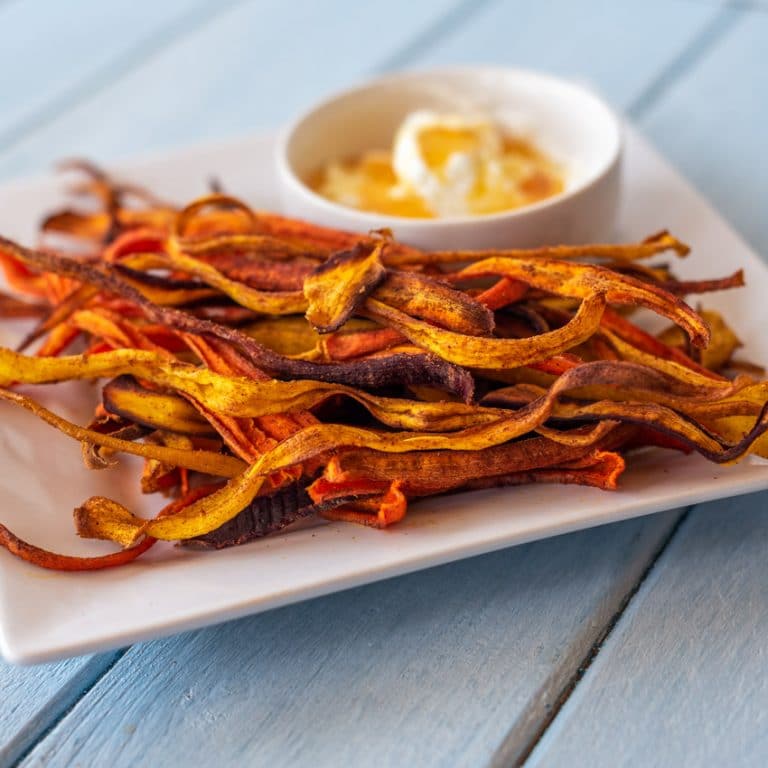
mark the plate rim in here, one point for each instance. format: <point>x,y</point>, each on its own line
<point>15,650</point>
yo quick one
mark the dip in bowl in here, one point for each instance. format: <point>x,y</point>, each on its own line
<point>567,125</point>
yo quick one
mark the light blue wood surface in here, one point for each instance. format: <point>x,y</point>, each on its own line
<point>55,53</point>
<point>431,669</point>
<point>256,65</point>
<point>462,665</point>
<point>685,668</point>
<point>619,47</point>
<point>31,700</point>
<point>723,149</point>
<point>248,69</point>
<point>681,682</point>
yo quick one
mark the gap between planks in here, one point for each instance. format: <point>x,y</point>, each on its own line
<point>80,685</point>
<point>185,25</point>
<point>161,39</point>
<point>444,25</point>
<point>507,753</point>
<point>144,50</point>
<point>510,752</point>
<point>717,28</point>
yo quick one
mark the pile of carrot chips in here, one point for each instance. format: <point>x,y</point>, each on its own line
<point>269,370</point>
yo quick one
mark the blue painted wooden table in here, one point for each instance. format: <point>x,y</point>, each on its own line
<point>639,643</point>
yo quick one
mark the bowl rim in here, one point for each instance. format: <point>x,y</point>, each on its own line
<point>289,176</point>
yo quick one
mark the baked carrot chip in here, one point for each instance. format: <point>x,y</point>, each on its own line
<point>268,370</point>
<point>335,289</point>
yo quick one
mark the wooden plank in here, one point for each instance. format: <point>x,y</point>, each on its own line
<point>429,669</point>
<point>53,51</point>
<point>684,669</point>
<point>252,68</point>
<point>682,678</point>
<point>240,51</point>
<point>249,68</point>
<point>33,699</point>
<point>585,40</point>
<point>536,631</point>
<point>710,123</point>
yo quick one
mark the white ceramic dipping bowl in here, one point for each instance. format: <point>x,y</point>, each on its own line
<point>565,120</point>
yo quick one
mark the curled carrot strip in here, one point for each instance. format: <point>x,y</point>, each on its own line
<point>55,561</point>
<point>293,369</point>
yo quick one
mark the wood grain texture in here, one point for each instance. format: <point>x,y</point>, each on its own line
<point>32,699</point>
<point>681,682</point>
<point>52,51</point>
<point>434,668</point>
<point>683,674</point>
<point>88,36</point>
<point>722,150</point>
<point>251,67</point>
<point>257,65</point>
<point>617,47</point>
<point>430,669</point>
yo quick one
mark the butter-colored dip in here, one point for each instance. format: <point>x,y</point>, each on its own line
<point>443,165</point>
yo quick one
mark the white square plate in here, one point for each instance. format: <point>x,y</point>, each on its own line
<point>47,615</point>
